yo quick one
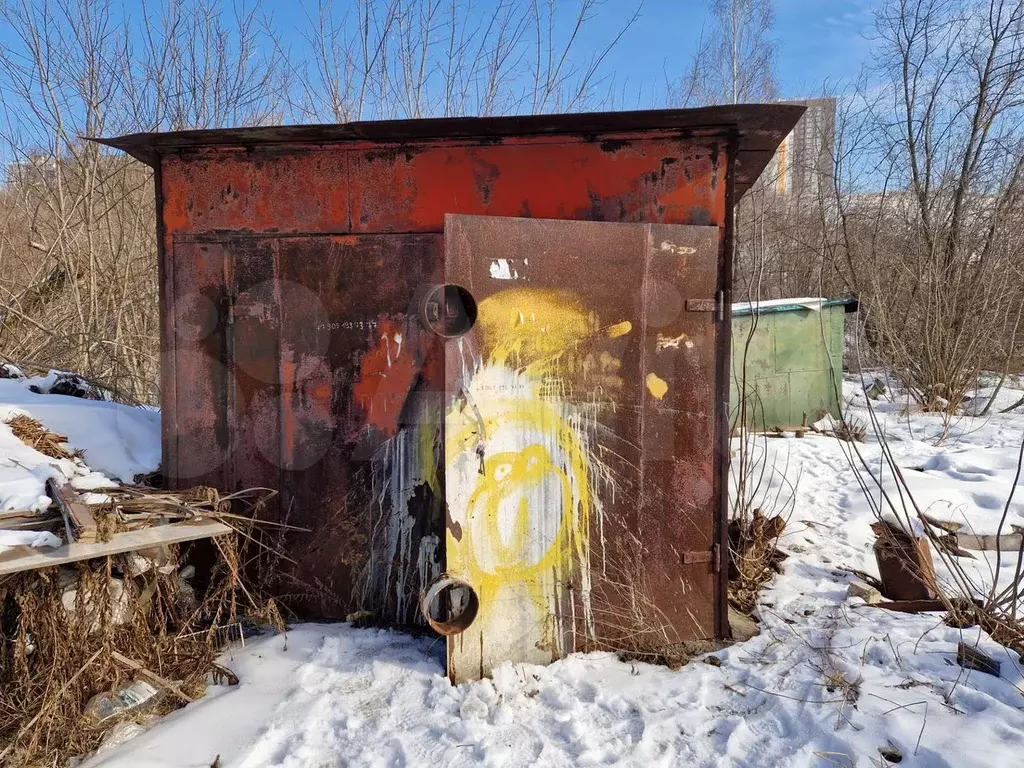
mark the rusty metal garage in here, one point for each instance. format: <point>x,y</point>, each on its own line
<point>491,350</point>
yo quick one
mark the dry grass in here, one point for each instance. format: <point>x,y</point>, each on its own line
<point>33,434</point>
<point>850,429</point>
<point>754,557</point>
<point>60,629</point>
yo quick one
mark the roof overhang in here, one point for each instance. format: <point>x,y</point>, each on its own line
<point>758,130</point>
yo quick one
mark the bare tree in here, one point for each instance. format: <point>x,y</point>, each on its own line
<point>77,242</point>
<point>78,285</point>
<point>932,247</point>
<point>411,58</point>
<point>735,59</point>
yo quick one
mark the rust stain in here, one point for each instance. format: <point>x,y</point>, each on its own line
<point>387,375</point>
<point>354,215</point>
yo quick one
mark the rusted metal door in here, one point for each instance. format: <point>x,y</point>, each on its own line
<point>580,438</point>
<point>306,369</point>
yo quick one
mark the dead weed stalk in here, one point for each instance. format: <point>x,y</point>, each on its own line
<point>33,434</point>
<point>68,633</point>
<point>998,607</point>
<point>761,499</point>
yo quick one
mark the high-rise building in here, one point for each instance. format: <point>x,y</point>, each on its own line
<point>805,157</point>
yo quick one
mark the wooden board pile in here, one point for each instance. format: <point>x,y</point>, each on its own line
<point>118,608</point>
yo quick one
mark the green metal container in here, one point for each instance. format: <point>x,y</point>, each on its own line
<point>793,350</point>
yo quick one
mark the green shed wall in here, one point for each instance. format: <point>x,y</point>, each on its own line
<point>794,363</point>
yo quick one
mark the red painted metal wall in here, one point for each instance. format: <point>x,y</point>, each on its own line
<point>289,273</point>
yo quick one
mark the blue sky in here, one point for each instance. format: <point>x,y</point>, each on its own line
<point>818,40</point>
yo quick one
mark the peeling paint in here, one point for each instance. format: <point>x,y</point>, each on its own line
<point>501,269</point>
<point>387,375</point>
<point>673,342</point>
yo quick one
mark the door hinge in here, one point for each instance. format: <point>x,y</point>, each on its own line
<point>716,305</point>
<point>704,556</point>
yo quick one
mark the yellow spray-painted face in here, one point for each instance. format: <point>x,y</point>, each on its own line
<point>501,517</point>
<point>519,469</point>
<point>529,509</point>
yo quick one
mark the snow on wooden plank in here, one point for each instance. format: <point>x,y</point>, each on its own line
<point>27,558</point>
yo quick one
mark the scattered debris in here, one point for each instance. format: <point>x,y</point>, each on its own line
<point>971,658</point>
<point>361,619</point>
<point>221,675</point>
<point>676,656</point>
<point>121,733</point>
<point>10,371</point>
<point>154,479</point>
<point>78,520</point>
<point>890,754</point>
<point>136,697</point>
<point>85,643</point>
<point>904,563</point>
<point>70,384</point>
<point>135,519</point>
<point>912,606</point>
<point>743,627</point>
<point>865,592</point>
<point>876,389</point>
<point>754,557</point>
<point>867,578</point>
<point>850,429</point>
<point>151,677</point>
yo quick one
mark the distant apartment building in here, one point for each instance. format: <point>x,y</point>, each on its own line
<point>805,157</point>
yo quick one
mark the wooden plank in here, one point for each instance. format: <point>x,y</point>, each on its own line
<point>17,514</point>
<point>971,658</point>
<point>20,559</point>
<point>28,521</point>
<point>911,606</point>
<point>1008,542</point>
<point>82,523</point>
<point>150,676</point>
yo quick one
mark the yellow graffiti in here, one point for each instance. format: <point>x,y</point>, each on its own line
<point>511,476</point>
<point>519,481</point>
<point>520,474</point>
<point>620,329</point>
<point>530,329</point>
<point>656,385</point>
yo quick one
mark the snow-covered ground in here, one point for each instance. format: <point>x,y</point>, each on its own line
<point>829,682</point>
<point>118,442</point>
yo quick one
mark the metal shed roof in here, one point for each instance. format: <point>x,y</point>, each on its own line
<point>744,308</point>
<point>759,129</point>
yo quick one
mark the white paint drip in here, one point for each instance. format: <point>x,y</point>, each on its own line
<point>394,573</point>
<point>504,395</point>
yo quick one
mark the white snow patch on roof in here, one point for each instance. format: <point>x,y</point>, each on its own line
<point>813,303</point>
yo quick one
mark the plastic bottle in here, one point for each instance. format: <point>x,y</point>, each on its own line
<point>139,696</point>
